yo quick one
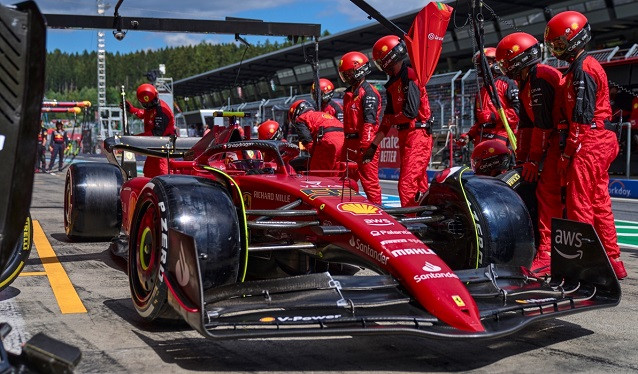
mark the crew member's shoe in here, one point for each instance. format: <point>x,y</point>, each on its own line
<point>619,268</point>
<point>541,266</point>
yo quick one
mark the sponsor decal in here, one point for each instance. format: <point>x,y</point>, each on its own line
<point>272,196</point>
<point>388,156</point>
<point>300,318</point>
<point>164,240</point>
<point>617,188</point>
<point>369,251</point>
<point>479,233</point>
<point>579,254</point>
<point>182,272</point>
<point>248,199</point>
<point>314,193</point>
<point>458,300</point>
<point>423,277</point>
<point>433,36</point>
<point>389,232</point>
<point>359,209</point>
<point>412,251</point>
<point>431,268</point>
<point>513,179</point>
<point>570,238</point>
<point>533,301</point>
<point>378,222</point>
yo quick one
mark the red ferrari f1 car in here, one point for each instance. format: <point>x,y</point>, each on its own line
<point>241,244</point>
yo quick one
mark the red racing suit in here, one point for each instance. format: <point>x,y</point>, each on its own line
<point>408,109</point>
<point>538,142</point>
<point>488,123</point>
<point>158,121</point>
<point>322,135</point>
<point>333,108</point>
<point>361,110</point>
<point>592,149</point>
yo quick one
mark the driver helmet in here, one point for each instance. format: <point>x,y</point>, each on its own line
<point>388,51</point>
<point>269,130</point>
<point>327,90</point>
<point>297,108</point>
<point>517,51</point>
<point>147,95</point>
<point>490,157</point>
<point>353,67</point>
<point>566,34</point>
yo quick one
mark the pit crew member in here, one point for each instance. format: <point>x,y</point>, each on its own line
<point>57,144</point>
<point>519,56</point>
<point>327,104</point>
<point>158,121</point>
<point>488,123</point>
<point>361,110</point>
<point>590,146</point>
<point>408,109</point>
<point>320,133</point>
<point>270,130</point>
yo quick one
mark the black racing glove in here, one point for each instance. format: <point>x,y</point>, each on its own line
<point>368,155</point>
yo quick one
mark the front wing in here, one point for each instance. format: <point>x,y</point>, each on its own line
<point>509,298</point>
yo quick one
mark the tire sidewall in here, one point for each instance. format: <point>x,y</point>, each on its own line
<point>21,252</point>
<point>152,306</point>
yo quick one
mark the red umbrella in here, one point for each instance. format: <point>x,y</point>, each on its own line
<point>425,38</point>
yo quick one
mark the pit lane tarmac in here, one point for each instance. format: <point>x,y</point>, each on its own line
<point>78,293</point>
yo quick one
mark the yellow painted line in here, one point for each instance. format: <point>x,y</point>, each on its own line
<point>32,273</point>
<point>64,292</point>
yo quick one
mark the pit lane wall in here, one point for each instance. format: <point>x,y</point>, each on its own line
<point>389,169</point>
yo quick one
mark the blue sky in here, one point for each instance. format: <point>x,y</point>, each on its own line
<point>333,15</point>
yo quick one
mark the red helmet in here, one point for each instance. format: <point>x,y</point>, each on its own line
<point>297,108</point>
<point>490,54</point>
<point>269,130</point>
<point>353,67</point>
<point>517,51</point>
<point>387,51</point>
<point>491,157</point>
<point>146,94</point>
<point>327,90</point>
<point>566,34</point>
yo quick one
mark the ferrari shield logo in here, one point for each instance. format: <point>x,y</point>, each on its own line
<point>247,199</point>
<point>458,301</point>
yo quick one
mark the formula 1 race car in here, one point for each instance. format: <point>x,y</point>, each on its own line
<point>241,244</point>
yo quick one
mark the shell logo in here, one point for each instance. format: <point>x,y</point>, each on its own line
<point>267,319</point>
<point>327,116</point>
<point>516,48</point>
<point>329,87</point>
<point>574,26</point>
<point>146,98</point>
<point>491,150</point>
<point>359,209</point>
<point>384,48</point>
<point>340,63</point>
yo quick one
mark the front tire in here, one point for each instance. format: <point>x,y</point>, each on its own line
<point>19,256</point>
<point>198,207</point>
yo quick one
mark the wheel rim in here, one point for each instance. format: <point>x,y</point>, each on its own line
<point>146,247</point>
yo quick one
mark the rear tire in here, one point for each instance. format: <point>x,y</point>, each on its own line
<point>198,207</point>
<point>19,255</point>
<point>92,207</point>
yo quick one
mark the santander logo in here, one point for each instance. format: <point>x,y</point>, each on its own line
<point>431,267</point>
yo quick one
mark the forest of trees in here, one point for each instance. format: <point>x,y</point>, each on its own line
<point>74,76</point>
